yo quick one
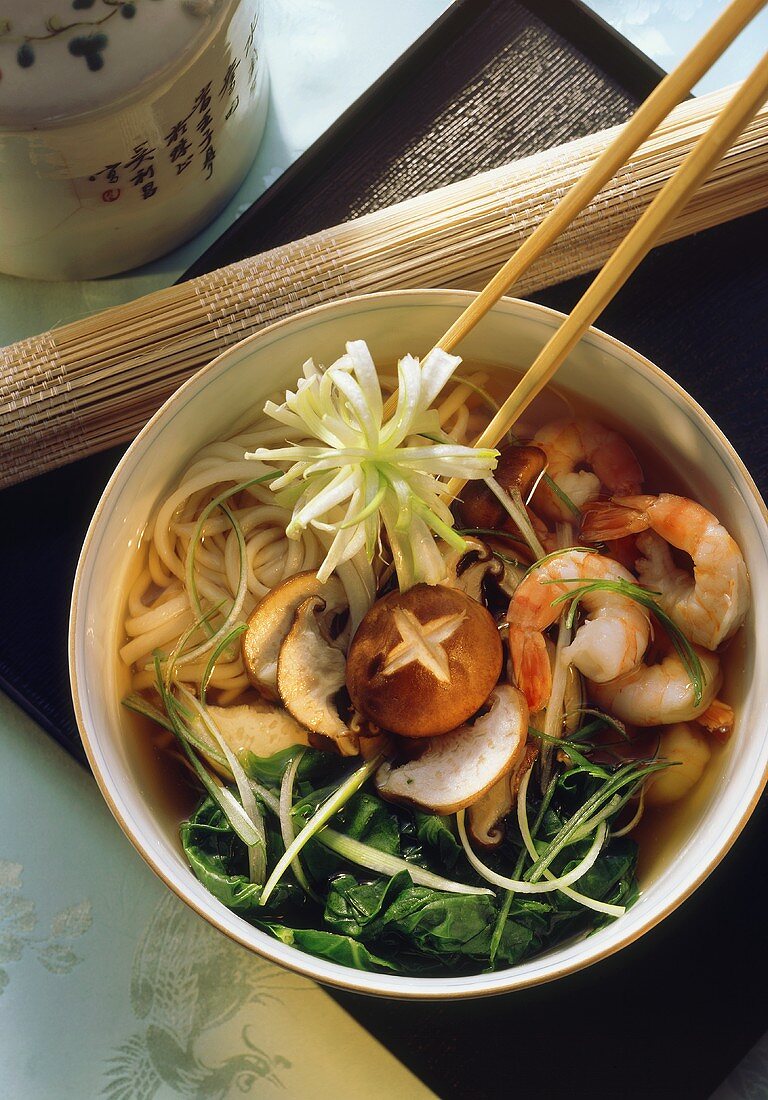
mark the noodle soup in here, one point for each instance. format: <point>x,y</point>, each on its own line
<point>330,780</point>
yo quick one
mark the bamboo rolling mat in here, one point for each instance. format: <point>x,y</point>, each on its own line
<point>91,384</point>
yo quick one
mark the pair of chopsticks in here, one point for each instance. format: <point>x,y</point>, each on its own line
<point>671,199</point>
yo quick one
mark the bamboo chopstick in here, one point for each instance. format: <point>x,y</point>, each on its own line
<point>672,89</point>
<point>94,382</point>
<point>638,242</point>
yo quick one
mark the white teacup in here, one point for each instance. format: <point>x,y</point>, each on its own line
<point>125,126</point>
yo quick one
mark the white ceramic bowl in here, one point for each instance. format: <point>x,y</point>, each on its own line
<point>204,408</point>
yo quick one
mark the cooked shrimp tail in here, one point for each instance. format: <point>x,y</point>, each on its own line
<point>609,521</point>
<point>718,720</point>
<point>532,668</point>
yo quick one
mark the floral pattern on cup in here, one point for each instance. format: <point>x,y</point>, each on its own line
<point>89,43</point>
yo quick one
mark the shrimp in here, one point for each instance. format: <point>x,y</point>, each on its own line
<point>709,606</point>
<point>611,641</point>
<point>660,694</point>
<point>583,458</point>
<point>687,748</point>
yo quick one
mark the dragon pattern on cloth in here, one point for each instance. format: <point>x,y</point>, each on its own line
<point>188,981</point>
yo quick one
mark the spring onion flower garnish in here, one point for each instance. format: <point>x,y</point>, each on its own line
<point>355,470</point>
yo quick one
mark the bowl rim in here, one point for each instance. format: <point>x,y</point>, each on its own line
<point>389,985</point>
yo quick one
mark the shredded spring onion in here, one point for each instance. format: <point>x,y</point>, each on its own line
<point>224,643</point>
<point>242,584</point>
<point>286,821</point>
<point>221,795</point>
<point>513,503</point>
<point>637,817</point>
<point>361,471</point>
<point>562,496</point>
<point>325,812</point>
<point>169,664</point>
<point>385,864</point>
<point>525,832</point>
<point>257,850</point>
<point>627,776</point>
<point>521,886</point>
<point>139,705</point>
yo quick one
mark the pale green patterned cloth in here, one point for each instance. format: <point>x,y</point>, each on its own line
<point>111,987</point>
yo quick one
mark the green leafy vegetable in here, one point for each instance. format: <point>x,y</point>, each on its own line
<point>218,859</point>
<point>320,818</point>
<point>327,945</point>
<point>382,875</point>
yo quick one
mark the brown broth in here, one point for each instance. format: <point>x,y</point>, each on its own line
<point>663,830</point>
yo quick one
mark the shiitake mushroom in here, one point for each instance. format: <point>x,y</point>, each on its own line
<point>423,661</point>
<point>518,468</point>
<point>272,619</point>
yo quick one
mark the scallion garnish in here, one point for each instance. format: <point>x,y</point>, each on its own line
<point>332,806</point>
<point>525,886</point>
<point>363,471</point>
<point>528,835</point>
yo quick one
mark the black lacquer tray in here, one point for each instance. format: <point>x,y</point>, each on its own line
<point>491,81</point>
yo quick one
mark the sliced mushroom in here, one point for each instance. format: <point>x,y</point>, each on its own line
<point>272,619</point>
<point>518,467</point>
<point>371,747</point>
<point>468,569</point>
<point>423,661</point>
<point>485,815</point>
<point>258,727</point>
<point>510,578</point>
<point>310,672</point>
<point>456,769</point>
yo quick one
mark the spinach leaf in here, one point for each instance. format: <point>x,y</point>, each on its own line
<point>328,945</point>
<point>219,860</point>
<point>615,865</point>
<point>315,766</point>
<point>419,922</point>
<point>351,906</point>
<point>373,922</point>
<point>369,819</point>
<point>435,832</point>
